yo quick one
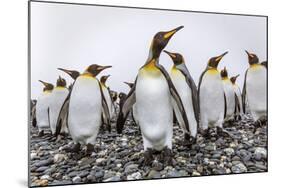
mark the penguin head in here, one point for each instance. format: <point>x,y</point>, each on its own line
<point>224,73</point>
<point>104,78</point>
<point>47,86</point>
<point>61,82</point>
<point>252,58</point>
<point>233,78</point>
<point>129,84</point>
<point>161,39</point>
<point>176,57</point>
<point>214,61</point>
<point>121,95</point>
<point>114,95</point>
<point>72,73</point>
<point>95,69</point>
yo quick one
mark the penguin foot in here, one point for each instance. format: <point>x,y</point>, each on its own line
<point>148,157</point>
<point>41,133</point>
<point>188,140</point>
<point>167,156</point>
<point>73,149</point>
<point>90,148</point>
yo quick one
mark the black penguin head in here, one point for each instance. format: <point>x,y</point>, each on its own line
<point>114,95</point>
<point>129,84</point>
<point>252,58</point>
<point>47,86</point>
<point>72,73</point>
<point>104,78</point>
<point>95,69</point>
<point>224,73</point>
<point>176,57</point>
<point>233,78</point>
<point>161,39</point>
<point>61,82</point>
<point>121,95</point>
<point>214,61</point>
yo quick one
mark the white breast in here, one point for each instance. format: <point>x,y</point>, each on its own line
<point>108,100</point>
<point>230,98</point>
<point>85,109</point>
<point>211,99</point>
<point>41,110</point>
<point>185,93</point>
<point>238,93</point>
<point>256,89</point>
<point>58,96</point>
<point>154,110</point>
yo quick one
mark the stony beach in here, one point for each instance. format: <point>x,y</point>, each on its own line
<point>120,157</point>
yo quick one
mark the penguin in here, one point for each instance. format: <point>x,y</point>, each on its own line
<point>133,111</point>
<point>229,95</point>
<point>106,93</point>
<point>187,90</point>
<point>122,97</point>
<point>86,103</point>
<point>255,88</point>
<point>264,63</point>
<point>42,108</point>
<point>212,102</point>
<point>62,117</point>
<point>58,96</point>
<point>152,93</point>
<point>33,112</point>
<point>114,96</point>
<point>238,98</point>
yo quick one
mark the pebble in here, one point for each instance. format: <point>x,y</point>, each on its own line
<point>229,151</point>
<point>154,174</point>
<point>114,178</point>
<point>76,179</point>
<point>59,158</point>
<point>238,168</point>
<point>134,176</point>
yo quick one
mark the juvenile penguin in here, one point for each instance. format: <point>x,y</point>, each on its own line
<point>42,108</point>
<point>238,98</point>
<point>187,90</point>
<point>58,96</point>
<point>152,94</point>
<point>106,92</point>
<point>255,88</point>
<point>212,102</point>
<point>229,95</point>
<point>86,103</point>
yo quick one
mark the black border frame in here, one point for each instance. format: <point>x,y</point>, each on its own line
<point>128,7</point>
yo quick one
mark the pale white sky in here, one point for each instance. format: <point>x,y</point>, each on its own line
<point>75,36</point>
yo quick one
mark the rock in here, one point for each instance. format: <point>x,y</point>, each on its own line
<point>239,168</point>
<point>91,178</point>
<point>157,166</point>
<point>114,178</point>
<point>83,174</point>
<point>134,176</point>
<point>73,174</point>
<point>44,162</point>
<point>46,177</point>
<point>173,173</point>
<point>41,182</point>
<point>211,147</point>
<point>33,156</point>
<point>260,166</point>
<point>229,151</point>
<point>131,168</point>
<point>100,160</point>
<point>260,153</point>
<point>194,173</point>
<point>99,174</point>
<point>59,158</point>
<point>42,169</point>
<point>76,179</point>
<point>153,174</point>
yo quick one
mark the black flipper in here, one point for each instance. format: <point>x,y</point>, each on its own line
<point>105,110</point>
<point>175,95</point>
<point>199,85</point>
<point>225,105</point>
<point>244,94</point>
<point>237,106</point>
<point>63,115</point>
<point>125,109</point>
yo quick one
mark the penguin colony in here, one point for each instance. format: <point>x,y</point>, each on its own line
<point>87,105</point>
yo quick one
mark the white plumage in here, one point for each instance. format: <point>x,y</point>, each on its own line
<point>230,98</point>
<point>42,105</point>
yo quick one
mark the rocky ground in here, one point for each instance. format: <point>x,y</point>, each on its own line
<point>120,157</point>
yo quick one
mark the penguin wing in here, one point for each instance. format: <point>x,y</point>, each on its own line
<point>192,86</point>
<point>198,93</point>
<point>175,95</point>
<point>63,114</point>
<point>237,107</point>
<point>244,93</point>
<point>33,116</point>
<point>125,108</point>
<point>105,110</point>
<point>225,105</point>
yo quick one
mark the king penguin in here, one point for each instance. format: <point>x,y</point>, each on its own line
<point>58,96</point>
<point>86,103</point>
<point>152,94</point>
<point>106,93</point>
<point>42,108</point>
<point>187,90</point>
<point>255,88</point>
<point>238,98</point>
<point>134,114</point>
<point>212,104</point>
<point>229,95</point>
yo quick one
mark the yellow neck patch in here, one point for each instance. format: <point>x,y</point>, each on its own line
<point>212,71</point>
<point>255,66</point>
<point>47,91</point>
<point>87,75</point>
<point>150,69</point>
<point>151,66</point>
<point>225,78</point>
<point>60,87</point>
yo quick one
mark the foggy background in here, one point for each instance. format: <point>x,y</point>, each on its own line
<point>75,36</point>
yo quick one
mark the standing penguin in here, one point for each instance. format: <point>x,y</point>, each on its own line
<point>238,98</point>
<point>42,108</point>
<point>152,94</point>
<point>133,111</point>
<point>58,97</point>
<point>187,90</point>
<point>212,102</point>
<point>229,95</point>
<point>106,93</point>
<point>86,103</point>
<point>255,88</point>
